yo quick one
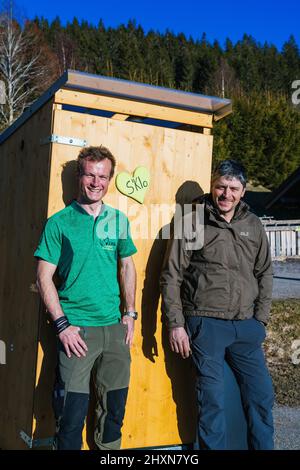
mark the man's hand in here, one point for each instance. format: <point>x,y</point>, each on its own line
<point>179,341</point>
<point>129,321</point>
<point>72,341</point>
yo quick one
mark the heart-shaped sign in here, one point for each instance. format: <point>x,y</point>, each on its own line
<point>135,185</point>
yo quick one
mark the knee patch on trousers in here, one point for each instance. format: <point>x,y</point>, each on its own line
<point>115,401</point>
<point>71,421</point>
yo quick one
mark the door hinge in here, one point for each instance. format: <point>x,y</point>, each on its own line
<point>65,140</point>
<point>34,443</point>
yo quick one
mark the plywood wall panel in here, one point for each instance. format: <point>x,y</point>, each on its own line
<point>23,206</point>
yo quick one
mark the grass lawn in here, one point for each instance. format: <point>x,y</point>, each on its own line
<point>282,330</point>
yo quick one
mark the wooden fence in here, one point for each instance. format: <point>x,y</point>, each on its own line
<point>283,236</point>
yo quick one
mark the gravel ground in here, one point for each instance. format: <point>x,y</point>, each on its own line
<point>286,283</point>
<point>287,428</point>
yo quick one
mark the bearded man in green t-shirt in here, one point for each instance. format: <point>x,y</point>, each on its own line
<point>84,243</point>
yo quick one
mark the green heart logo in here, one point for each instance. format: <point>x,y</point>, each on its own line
<point>134,186</point>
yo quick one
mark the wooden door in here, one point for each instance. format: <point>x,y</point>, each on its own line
<point>160,408</point>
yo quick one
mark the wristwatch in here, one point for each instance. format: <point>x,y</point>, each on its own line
<point>131,314</point>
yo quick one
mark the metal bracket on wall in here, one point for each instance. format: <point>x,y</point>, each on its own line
<point>34,443</point>
<point>62,139</point>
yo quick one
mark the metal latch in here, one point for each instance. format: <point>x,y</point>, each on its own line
<point>34,443</point>
<point>65,140</point>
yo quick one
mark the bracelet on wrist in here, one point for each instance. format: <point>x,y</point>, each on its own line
<point>61,324</point>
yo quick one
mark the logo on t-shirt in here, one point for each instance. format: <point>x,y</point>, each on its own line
<point>108,244</point>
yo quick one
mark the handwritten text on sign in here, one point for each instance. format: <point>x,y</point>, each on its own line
<point>134,186</point>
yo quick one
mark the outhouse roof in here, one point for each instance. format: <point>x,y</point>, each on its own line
<point>129,90</point>
<point>146,93</point>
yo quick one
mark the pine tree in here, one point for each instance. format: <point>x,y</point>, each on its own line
<point>262,132</point>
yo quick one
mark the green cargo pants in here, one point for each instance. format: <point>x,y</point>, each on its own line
<point>108,361</point>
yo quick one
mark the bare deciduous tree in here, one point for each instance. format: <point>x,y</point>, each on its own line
<point>23,67</point>
<point>224,82</point>
<point>17,69</point>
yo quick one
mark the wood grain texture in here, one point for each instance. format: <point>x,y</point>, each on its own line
<point>23,205</point>
<point>132,108</point>
<point>38,181</point>
<point>160,403</point>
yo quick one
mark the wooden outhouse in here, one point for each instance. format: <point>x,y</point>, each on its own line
<point>169,133</point>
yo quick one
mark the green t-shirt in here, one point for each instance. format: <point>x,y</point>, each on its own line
<point>86,252</point>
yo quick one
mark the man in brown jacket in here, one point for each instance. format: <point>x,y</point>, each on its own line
<point>216,299</point>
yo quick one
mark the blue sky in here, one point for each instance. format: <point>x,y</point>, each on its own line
<point>266,20</point>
